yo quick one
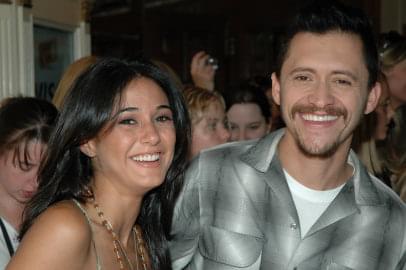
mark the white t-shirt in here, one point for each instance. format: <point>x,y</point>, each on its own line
<point>310,203</point>
<point>13,235</point>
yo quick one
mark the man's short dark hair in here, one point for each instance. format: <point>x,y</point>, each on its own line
<point>322,16</point>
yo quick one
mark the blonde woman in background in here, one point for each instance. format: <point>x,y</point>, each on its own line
<point>369,137</point>
<point>69,76</point>
<point>392,54</point>
<point>395,154</point>
<point>207,114</point>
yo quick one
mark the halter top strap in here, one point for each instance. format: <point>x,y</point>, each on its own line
<point>98,264</point>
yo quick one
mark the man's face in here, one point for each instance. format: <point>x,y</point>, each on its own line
<point>323,91</point>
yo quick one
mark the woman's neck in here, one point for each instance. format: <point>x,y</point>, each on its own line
<point>120,212</point>
<point>11,211</point>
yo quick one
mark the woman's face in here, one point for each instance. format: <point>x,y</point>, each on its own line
<point>210,130</point>
<point>246,122</point>
<point>396,77</point>
<point>134,155</point>
<point>18,179</point>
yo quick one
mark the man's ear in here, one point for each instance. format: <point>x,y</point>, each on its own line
<point>88,148</point>
<point>373,98</point>
<point>276,89</point>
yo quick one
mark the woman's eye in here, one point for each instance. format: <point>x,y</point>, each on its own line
<point>212,126</point>
<point>24,166</point>
<point>164,118</point>
<point>254,127</point>
<point>232,127</point>
<point>127,122</point>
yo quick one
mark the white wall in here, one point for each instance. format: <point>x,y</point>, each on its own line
<point>16,51</point>
<point>16,39</point>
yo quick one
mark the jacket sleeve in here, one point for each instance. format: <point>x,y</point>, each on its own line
<point>186,220</point>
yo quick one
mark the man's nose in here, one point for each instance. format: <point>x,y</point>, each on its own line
<point>321,95</point>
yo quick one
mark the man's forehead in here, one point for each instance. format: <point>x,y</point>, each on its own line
<point>333,46</point>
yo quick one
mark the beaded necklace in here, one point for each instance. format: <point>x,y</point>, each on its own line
<point>118,247</point>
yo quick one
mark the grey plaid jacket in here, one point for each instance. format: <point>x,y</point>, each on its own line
<point>236,212</point>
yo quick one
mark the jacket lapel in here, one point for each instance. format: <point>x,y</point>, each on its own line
<point>358,191</point>
<point>264,158</point>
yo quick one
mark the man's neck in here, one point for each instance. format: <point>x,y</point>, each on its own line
<point>319,173</point>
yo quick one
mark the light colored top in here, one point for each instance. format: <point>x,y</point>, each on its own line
<point>310,203</point>
<point>98,264</point>
<point>236,205</point>
<point>13,235</point>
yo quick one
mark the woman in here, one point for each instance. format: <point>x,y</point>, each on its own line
<point>248,114</point>
<point>369,137</point>
<point>208,117</point>
<point>114,167</point>
<point>25,125</point>
<point>392,52</point>
<point>395,152</point>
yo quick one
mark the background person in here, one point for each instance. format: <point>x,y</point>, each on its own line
<point>392,54</point>
<point>370,135</point>
<point>394,154</point>
<point>265,84</point>
<point>114,167</point>
<point>248,113</point>
<point>208,117</point>
<point>25,125</point>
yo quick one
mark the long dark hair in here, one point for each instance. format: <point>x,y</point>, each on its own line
<point>249,94</point>
<point>88,108</point>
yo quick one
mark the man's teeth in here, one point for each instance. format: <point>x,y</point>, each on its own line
<point>147,157</point>
<point>319,118</point>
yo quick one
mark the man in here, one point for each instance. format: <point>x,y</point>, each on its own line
<point>299,198</point>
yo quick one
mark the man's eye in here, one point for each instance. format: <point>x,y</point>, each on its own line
<point>343,82</point>
<point>302,78</point>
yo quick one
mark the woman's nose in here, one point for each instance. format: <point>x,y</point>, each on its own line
<point>150,134</point>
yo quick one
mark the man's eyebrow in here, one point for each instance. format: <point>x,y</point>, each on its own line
<point>302,69</point>
<point>346,72</point>
<point>335,72</point>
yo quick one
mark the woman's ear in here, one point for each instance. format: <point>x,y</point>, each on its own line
<point>88,148</point>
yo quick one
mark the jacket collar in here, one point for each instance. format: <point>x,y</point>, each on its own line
<point>264,152</point>
<point>260,155</point>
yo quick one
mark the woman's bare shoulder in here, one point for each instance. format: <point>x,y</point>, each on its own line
<point>64,219</point>
<point>61,235</point>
